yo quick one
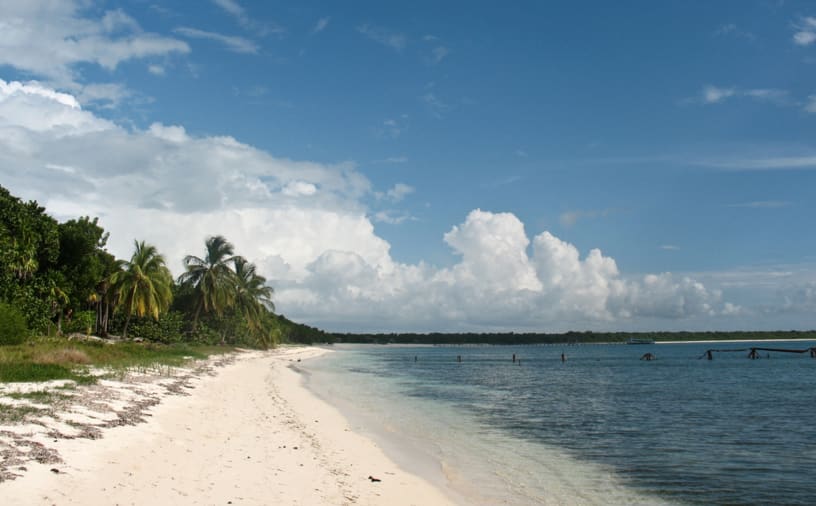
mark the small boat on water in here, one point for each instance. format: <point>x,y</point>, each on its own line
<point>639,340</point>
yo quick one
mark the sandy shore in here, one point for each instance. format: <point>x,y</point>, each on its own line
<point>247,433</point>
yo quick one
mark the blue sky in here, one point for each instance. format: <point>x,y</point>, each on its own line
<point>402,166</point>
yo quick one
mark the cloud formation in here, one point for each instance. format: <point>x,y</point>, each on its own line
<point>307,227</point>
<point>805,33</point>
<point>49,38</point>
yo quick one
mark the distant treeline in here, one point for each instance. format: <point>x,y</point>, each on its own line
<point>513,338</point>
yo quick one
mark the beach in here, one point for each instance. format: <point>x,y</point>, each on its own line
<point>243,431</point>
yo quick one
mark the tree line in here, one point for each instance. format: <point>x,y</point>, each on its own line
<point>58,278</point>
<point>572,337</point>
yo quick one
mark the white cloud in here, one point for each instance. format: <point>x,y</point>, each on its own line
<point>393,127</point>
<point>299,189</point>
<point>232,7</point>
<point>399,192</point>
<point>715,95</point>
<point>156,70</point>
<point>235,10</point>
<point>570,218</point>
<point>805,34</point>
<point>764,163</point>
<point>731,30</point>
<point>48,39</point>
<point>763,204</point>
<point>321,25</point>
<point>394,40</point>
<point>435,106</point>
<point>232,43</point>
<point>810,106</point>
<point>669,247</point>
<point>394,159</point>
<point>439,53</point>
<point>392,217</point>
<point>106,95</point>
<point>307,228</point>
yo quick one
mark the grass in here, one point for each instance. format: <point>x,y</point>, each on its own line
<point>45,359</point>
<point>39,396</point>
<point>16,414</point>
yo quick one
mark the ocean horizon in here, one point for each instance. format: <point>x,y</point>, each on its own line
<point>600,427</point>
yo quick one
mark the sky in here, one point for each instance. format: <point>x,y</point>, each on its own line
<point>438,166</point>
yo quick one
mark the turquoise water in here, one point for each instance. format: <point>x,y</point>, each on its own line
<point>601,428</point>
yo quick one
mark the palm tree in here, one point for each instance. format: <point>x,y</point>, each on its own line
<point>252,295</point>
<point>211,277</point>
<point>143,285</point>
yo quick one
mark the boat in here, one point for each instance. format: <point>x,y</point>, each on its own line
<point>639,340</point>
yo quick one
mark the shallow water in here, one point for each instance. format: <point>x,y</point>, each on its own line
<point>601,428</point>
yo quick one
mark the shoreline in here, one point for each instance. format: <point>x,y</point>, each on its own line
<point>249,432</point>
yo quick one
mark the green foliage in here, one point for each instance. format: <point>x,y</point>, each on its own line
<point>82,321</point>
<point>13,328</point>
<point>211,278</point>
<point>292,332</point>
<point>83,262</point>
<point>29,249</point>
<point>144,285</point>
<point>169,328</point>
<point>18,372</point>
<point>48,359</point>
<point>60,278</point>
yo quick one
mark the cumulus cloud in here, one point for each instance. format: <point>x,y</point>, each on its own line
<point>49,38</point>
<point>497,283</point>
<point>307,227</point>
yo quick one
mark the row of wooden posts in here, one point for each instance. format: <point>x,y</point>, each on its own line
<point>753,353</point>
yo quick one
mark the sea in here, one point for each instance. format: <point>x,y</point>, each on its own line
<point>600,427</point>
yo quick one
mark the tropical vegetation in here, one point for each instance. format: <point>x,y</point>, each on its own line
<point>58,278</point>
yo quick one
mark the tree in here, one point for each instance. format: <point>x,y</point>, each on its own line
<point>29,249</point>
<point>83,261</point>
<point>253,297</point>
<point>144,285</point>
<point>211,278</point>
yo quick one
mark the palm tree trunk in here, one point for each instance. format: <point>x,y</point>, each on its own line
<point>195,316</point>
<point>105,315</point>
<point>124,330</point>
<point>129,311</point>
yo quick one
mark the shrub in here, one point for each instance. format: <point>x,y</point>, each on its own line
<point>82,321</point>
<point>13,328</point>
<point>169,328</point>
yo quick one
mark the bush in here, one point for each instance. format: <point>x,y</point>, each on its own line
<point>82,321</point>
<point>13,328</point>
<point>169,328</point>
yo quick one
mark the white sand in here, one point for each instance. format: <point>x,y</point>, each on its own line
<point>251,434</point>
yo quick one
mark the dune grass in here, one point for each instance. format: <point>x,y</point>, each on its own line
<point>16,414</point>
<point>45,359</point>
